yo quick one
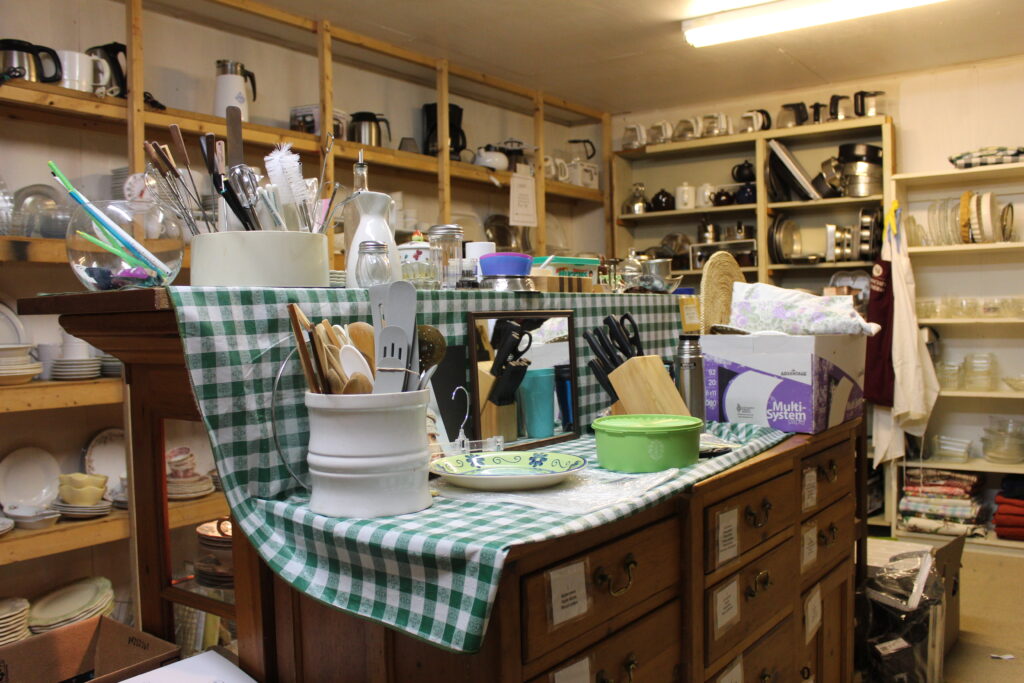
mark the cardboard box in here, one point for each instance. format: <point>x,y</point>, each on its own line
<point>113,651</point>
<point>795,383</point>
<point>948,559</point>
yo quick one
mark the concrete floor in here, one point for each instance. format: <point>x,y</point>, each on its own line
<point>991,620</point>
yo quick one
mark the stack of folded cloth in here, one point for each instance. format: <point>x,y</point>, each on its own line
<point>1009,517</point>
<point>943,502</point>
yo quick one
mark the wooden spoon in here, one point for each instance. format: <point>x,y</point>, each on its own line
<point>358,383</point>
<point>332,336</point>
<point>335,382</point>
<point>433,346</point>
<point>334,360</point>
<point>361,335</point>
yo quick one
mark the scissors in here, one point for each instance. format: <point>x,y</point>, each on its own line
<point>625,334</point>
<point>510,348</point>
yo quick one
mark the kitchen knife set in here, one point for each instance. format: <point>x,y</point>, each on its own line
<point>613,347</point>
<point>363,359</point>
<point>287,201</point>
<point>510,342</point>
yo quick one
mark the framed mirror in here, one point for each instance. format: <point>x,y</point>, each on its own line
<point>523,379</point>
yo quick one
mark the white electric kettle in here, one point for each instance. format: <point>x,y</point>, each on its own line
<point>634,136</point>
<point>659,132</point>
<point>687,129</point>
<point>230,88</point>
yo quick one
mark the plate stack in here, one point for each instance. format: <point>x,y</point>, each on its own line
<point>6,524</point>
<point>182,481</point>
<point>215,566</point>
<point>215,478</point>
<point>13,620</point>
<point>337,278</point>
<point>76,601</point>
<point>16,366</point>
<point>110,366</point>
<point>82,511</point>
<point>76,368</point>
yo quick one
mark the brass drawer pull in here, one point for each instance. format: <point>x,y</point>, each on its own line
<point>602,577</point>
<point>830,474</point>
<point>760,584</point>
<point>630,665</point>
<point>758,521</point>
<point>805,673</point>
<point>768,676</point>
<point>831,537</point>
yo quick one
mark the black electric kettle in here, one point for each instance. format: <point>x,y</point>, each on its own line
<point>792,114</point>
<point>839,108</point>
<point>868,102</point>
<point>116,55</point>
<point>28,57</point>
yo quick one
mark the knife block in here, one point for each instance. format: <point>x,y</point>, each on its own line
<point>645,388</point>
<point>495,420</point>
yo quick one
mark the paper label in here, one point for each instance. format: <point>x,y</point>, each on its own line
<point>809,546</point>
<point>810,488</point>
<point>568,592</point>
<point>727,606</point>
<point>577,672</point>
<point>522,201</point>
<point>812,613</point>
<point>890,646</point>
<point>727,523</point>
<point>733,674</point>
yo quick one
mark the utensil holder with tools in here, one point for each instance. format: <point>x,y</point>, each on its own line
<point>644,387</point>
<point>260,258</point>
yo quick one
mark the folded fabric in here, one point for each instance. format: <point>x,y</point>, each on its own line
<point>1013,486</point>
<point>939,491</point>
<point>987,156</point>
<point>937,500</point>
<point>918,475</point>
<point>938,526</point>
<point>1011,533</point>
<point>1011,504</point>
<point>1003,519</point>
<point>965,513</point>
<point>765,308</point>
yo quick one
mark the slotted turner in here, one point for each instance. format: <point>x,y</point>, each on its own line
<point>392,361</point>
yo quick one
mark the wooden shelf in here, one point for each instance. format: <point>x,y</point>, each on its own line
<point>570,191</point>
<point>989,540</point>
<point>17,249</point>
<point>252,134</point>
<point>811,131</point>
<point>878,520</point>
<point>665,215</point>
<point>959,393</point>
<point>51,395</point>
<point>958,176</point>
<point>719,143</point>
<point>827,203</point>
<point>961,249</point>
<point>972,465</point>
<point>970,321</point>
<point>22,544</point>
<point>698,271</point>
<point>52,99</point>
<point>834,265</point>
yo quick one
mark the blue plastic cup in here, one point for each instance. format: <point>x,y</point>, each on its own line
<point>537,400</point>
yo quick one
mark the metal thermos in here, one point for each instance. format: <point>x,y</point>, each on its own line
<point>688,364</point>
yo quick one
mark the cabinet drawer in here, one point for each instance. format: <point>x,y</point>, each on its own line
<point>744,521</point>
<point>826,476</point>
<point>828,614</point>
<point>740,604</point>
<point>649,649</point>
<point>827,536</point>
<point>769,659</point>
<point>593,587</point>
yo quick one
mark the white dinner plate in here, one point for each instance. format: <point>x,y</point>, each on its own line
<point>989,216</point>
<point>82,596</point>
<point>11,329</point>
<point>29,476</point>
<point>106,454</point>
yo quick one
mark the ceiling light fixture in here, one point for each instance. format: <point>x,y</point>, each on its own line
<point>784,15</point>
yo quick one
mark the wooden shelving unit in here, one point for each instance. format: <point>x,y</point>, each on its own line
<point>834,265</point>
<point>827,203</point>
<point>23,544</point>
<point>970,321</point>
<point>53,395</point>
<point>960,177</point>
<point>698,271</point>
<point>972,465</point>
<point>961,249</point>
<point>653,216</point>
<point>989,540</point>
<point>962,393</point>
<point>41,250</point>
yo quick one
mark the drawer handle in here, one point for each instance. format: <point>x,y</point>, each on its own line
<point>831,537</point>
<point>768,676</point>
<point>805,673</point>
<point>602,577</point>
<point>830,474</point>
<point>760,584</point>
<point>758,521</point>
<point>630,665</point>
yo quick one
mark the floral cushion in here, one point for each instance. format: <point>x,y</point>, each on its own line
<point>764,308</point>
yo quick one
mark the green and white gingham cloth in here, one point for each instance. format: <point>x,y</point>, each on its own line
<point>432,574</point>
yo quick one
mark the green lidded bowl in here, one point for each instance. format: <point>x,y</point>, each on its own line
<point>647,443</point>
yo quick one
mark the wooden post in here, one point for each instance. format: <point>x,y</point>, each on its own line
<point>606,166</point>
<point>444,145</point>
<point>763,258</point>
<point>326,61</point>
<point>136,88</point>
<point>540,241</point>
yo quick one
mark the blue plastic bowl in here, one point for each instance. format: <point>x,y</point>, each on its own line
<point>506,264</point>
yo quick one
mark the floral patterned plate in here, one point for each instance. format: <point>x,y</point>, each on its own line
<point>508,470</point>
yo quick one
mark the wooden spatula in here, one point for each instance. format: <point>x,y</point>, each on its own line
<point>296,317</point>
<point>361,335</point>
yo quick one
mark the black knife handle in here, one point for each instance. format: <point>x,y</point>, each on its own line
<point>602,378</point>
<point>618,336</point>
<point>598,350</point>
<point>508,344</point>
<point>609,349</point>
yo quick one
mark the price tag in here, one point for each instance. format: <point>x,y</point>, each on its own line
<point>810,488</point>
<point>522,201</point>
<point>812,613</point>
<point>891,646</point>
<point>733,674</point>
<point>577,672</point>
<point>727,606</point>
<point>727,522</point>
<point>809,546</point>
<point>568,592</point>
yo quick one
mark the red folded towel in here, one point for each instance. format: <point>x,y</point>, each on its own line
<point>1003,519</point>
<point>1012,505</point>
<point>1013,533</point>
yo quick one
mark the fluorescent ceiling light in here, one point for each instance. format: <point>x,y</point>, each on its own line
<point>784,15</point>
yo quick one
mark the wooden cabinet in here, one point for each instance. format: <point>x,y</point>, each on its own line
<point>827,612</point>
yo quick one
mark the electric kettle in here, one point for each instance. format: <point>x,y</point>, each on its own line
<point>816,112</point>
<point>659,132</point>
<point>839,108</point>
<point>489,156</point>
<point>716,124</point>
<point>868,103</point>
<point>687,129</point>
<point>28,57</point>
<point>792,114</point>
<point>634,136</point>
<point>116,56</point>
<point>365,129</point>
<point>230,88</point>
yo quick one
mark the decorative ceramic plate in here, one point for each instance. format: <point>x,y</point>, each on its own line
<point>11,329</point>
<point>28,476</point>
<point>106,454</point>
<point>69,601</point>
<point>508,470</point>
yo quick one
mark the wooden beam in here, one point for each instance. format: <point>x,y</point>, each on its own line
<point>540,242</point>
<point>584,110</point>
<point>268,12</point>
<point>326,99</point>
<point>353,38</point>
<point>492,81</point>
<point>444,145</point>
<point>136,87</point>
<point>608,180</point>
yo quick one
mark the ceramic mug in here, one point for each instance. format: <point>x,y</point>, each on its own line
<point>686,196</point>
<point>549,168</point>
<point>561,170</point>
<point>83,72</point>
<point>705,195</point>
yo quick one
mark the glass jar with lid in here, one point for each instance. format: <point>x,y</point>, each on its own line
<point>373,267</point>
<point>446,254</point>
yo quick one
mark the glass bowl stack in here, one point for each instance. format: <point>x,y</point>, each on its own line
<point>1003,442</point>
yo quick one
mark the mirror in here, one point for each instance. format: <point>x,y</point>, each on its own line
<point>523,377</point>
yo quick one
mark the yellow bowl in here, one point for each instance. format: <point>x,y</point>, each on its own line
<point>81,480</point>
<point>85,496</point>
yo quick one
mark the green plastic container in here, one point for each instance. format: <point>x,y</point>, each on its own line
<point>647,443</point>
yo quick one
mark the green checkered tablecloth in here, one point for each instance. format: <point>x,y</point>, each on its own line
<point>433,574</point>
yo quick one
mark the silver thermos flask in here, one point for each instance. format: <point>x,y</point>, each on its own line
<point>688,365</point>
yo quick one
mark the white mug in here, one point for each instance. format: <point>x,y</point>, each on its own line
<point>705,193</point>
<point>561,170</point>
<point>47,353</point>
<point>549,168</point>
<point>685,196</point>
<point>83,72</point>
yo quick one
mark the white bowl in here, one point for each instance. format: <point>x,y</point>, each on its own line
<point>44,521</point>
<point>14,350</point>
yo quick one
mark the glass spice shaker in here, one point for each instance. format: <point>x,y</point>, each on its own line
<point>446,254</point>
<point>373,267</point>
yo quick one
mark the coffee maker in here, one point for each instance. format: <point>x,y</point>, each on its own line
<point>455,132</point>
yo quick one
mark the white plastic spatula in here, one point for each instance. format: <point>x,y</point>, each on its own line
<point>392,361</point>
<point>352,361</point>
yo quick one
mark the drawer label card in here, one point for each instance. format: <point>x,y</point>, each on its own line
<point>577,672</point>
<point>568,592</point>
<point>727,606</point>
<point>810,489</point>
<point>734,672</point>
<point>812,613</point>
<point>728,544</point>
<point>890,646</point>
<point>809,546</point>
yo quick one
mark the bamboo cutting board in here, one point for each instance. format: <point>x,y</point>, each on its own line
<point>645,388</point>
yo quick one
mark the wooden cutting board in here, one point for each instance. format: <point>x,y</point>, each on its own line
<point>645,388</point>
<point>720,272</point>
